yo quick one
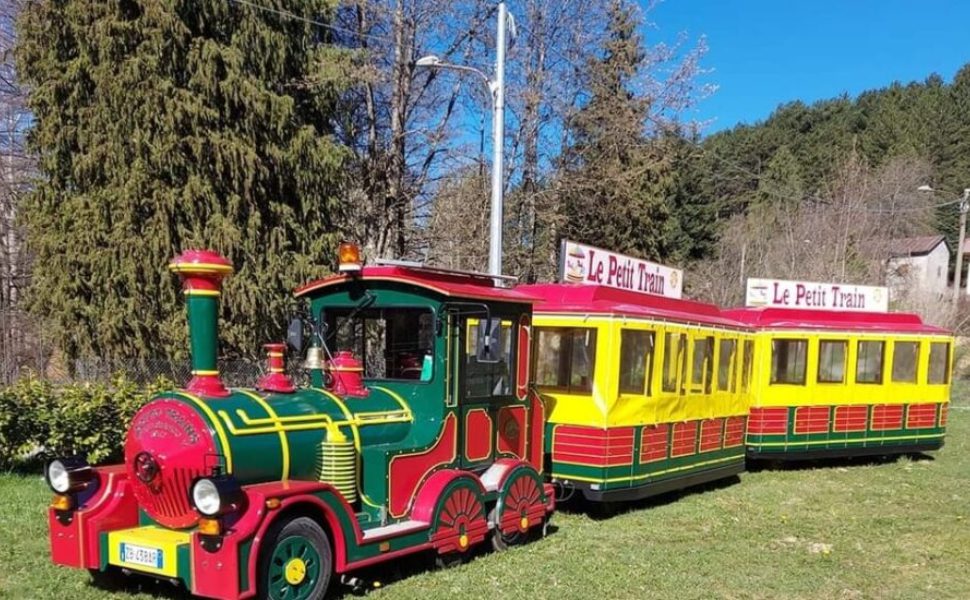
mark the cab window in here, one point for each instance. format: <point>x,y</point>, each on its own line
<point>392,343</point>
<point>565,359</point>
<point>939,371</point>
<point>488,358</point>
<point>905,360</point>
<point>788,361</point>
<point>725,365</point>
<point>675,360</point>
<point>831,361</point>
<point>868,366</point>
<point>636,361</point>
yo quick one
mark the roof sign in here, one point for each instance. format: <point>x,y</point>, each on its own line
<point>817,296</point>
<point>588,265</point>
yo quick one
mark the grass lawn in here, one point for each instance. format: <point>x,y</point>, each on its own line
<point>897,529</point>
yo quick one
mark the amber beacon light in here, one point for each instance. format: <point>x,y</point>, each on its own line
<point>349,257</point>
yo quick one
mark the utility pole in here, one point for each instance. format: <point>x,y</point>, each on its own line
<point>964,206</point>
<point>498,143</point>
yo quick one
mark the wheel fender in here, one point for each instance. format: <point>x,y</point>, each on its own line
<point>427,499</point>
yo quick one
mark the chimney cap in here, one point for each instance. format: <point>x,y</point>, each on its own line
<point>201,262</point>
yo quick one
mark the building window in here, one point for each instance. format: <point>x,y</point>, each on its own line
<point>565,359</point>
<point>675,360</point>
<point>868,367</point>
<point>725,365</point>
<point>788,361</point>
<point>831,361</point>
<point>905,360</point>
<point>636,361</point>
<point>939,371</point>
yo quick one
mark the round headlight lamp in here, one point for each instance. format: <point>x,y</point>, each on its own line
<point>217,495</point>
<point>68,475</point>
<point>205,497</point>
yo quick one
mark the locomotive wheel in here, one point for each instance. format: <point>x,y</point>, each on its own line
<point>296,562</point>
<point>460,525</point>
<point>521,493</point>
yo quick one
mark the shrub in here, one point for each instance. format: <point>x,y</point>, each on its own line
<point>87,419</point>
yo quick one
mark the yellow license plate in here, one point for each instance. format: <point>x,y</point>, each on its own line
<point>147,549</point>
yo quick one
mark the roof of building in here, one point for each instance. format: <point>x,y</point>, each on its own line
<point>797,318</point>
<point>914,246</point>
<point>450,284</point>
<point>596,299</point>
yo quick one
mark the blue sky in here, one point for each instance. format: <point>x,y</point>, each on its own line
<point>766,52</point>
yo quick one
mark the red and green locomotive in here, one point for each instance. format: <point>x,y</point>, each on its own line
<point>418,431</point>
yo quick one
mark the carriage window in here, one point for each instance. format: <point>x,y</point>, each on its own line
<point>675,359</point>
<point>488,373</point>
<point>747,366</point>
<point>868,366</point>
<point>788,361</point>
<point>905,359</point>
<point>725,364</point>
<point>939,372</point>
<point>392,343</point>
<point>636,361</point>
<point>565,359</point>
<point>831,361</point>
<point>703,371</point>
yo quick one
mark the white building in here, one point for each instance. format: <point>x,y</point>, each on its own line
<point>918,266</point>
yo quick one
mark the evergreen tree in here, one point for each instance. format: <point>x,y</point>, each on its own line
<point>614,178</point>
<point>162,125</point>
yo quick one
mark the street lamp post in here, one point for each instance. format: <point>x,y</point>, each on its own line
<point>496,89</point>
<point>964,207</point>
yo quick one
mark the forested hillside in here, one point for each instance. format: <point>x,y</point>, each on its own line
<point>817,191</point>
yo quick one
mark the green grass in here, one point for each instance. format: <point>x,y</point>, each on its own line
<point>898,529</point>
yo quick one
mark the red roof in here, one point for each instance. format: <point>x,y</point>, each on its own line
<point>796,318</point>
<point>454,285</point>
<point>568,298</point>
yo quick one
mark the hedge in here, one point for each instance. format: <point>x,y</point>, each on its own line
<point>87,419</point>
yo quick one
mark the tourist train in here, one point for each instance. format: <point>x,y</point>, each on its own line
<point>434,411</point>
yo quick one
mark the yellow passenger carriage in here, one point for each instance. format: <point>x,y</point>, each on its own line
<point>644,394</point>
<point>836,383</point>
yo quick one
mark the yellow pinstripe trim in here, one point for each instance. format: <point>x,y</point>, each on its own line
<point>201,293</point>
<point>223,438</point>
<point>397,398</point>
<point>199,268</point>
<point>851,441</point>
<point>205,373</point>
<point>649,475</point>
<point>284,441</point>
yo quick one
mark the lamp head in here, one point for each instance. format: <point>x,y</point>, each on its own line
<point>428,61</point>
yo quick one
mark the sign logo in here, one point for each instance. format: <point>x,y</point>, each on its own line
<point>816,296</point>
<point>588,265</point>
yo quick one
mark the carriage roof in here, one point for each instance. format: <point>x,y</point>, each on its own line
<point>796,318</point>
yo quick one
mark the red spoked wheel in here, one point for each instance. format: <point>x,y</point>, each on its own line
<point>459,523</point>
<point>519,515</point>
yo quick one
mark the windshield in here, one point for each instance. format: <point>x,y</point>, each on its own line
<point>392,343</point>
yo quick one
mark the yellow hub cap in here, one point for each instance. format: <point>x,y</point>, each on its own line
<point>295,571</point>
<point>524,523</point>
<point>463,541</point>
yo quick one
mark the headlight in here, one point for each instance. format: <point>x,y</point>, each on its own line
<point>214,496</point>
<point>67,475</point>
<point>205,497</point>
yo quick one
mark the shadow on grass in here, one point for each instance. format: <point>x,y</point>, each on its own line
<point>755,466</point>
<point>116,582</point>
<point>577,504</point>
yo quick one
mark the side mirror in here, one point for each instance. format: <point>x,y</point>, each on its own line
<point>490,346</point>
<point>294,334</point>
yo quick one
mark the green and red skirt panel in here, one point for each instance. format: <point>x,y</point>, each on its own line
<point>627,457</point>
<point>780,430</point>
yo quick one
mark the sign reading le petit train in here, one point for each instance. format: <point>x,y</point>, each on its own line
<point>817,296</point>
<point>579,263</point>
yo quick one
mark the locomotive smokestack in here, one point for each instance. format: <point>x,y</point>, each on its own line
<point>202,272</point>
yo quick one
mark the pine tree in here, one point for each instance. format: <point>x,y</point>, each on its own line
<point>614,177</point>
<point>162,125</point>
